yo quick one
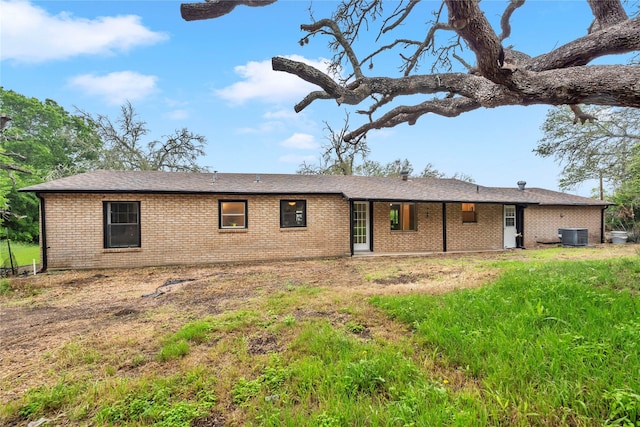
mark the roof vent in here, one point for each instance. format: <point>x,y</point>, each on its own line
<point>404,175</point>
<point>214,178</point>
<point>521,185</point>
<point>257,178</point>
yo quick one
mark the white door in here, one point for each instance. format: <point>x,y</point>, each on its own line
<point>510,226</point>
<point>360,226</point>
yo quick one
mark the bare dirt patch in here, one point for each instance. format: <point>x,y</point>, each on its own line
<point>136,307</point>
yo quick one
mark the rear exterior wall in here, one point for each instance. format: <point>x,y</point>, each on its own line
<point>541,223</point>
<point>426,238</point>
<point>484,234</point>
<point>183,229</point>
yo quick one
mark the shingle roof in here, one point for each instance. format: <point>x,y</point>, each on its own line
<point>351,187</point>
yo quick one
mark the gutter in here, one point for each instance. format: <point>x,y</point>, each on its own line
<point>43,234</point>
<point>602,225</point>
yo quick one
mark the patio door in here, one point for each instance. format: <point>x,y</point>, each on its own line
<point>360,226</point>
<point>510,231</point>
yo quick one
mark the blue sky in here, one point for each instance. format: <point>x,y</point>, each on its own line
<point>214,77</point>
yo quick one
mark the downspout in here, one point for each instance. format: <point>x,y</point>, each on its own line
<point>43,235</point>
<point>444,227</point>
<point>602,224</point>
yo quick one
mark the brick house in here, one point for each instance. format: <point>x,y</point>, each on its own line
<point>105,219</point>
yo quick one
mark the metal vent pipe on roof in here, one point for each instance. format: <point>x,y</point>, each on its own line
<point>521,185</point>
<point>404,175</point>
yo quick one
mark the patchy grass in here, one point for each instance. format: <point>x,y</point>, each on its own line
<point>513,338</point>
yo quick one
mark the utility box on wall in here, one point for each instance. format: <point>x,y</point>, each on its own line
<point>573,236</point>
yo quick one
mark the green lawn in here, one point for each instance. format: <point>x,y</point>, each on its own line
<point>24,253</point>
<point>554,343</point>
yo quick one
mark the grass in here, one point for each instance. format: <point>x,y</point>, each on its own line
<point>24,253</point>
<point>177,345</point>
<point>547,343</point>
<point>550,343</point>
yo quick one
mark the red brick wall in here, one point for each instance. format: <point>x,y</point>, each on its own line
<point>183,229</point>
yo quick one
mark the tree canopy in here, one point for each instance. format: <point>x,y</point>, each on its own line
<point>593,150</point>
<point>340,157</point>
<point>125,148</point>
<point>469,63</point>
<point>42,140</point>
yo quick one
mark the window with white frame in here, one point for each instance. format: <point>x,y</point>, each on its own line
<point>233,214</point>
<point>121,224</point>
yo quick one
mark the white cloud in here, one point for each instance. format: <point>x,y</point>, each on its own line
<point>177,115</point>
<point>282,114</point>
<point>31,34</point>
<point>300,141</point>
<point>260,82</point>
<point>116,88</point>
<point>297,159</point>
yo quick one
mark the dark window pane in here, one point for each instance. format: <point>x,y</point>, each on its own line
<point>293,213</point>
<point>122,229</point>
<point>123,236</point>
<point>402,216</point>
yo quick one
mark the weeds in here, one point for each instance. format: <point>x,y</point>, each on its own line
<point>174,401</point>
<point>44,400</point>
<point>177,345</point>
<point>555,336</point>
<point>5,287</point>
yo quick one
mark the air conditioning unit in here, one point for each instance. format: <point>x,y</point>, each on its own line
<point>573,236</point>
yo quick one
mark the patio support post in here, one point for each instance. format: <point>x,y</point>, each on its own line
<point>444,227</point>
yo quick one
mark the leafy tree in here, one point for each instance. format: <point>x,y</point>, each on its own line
<point>393,168</point>
<point>595,149</point>
<point>8,167</point>
<point>469,63</point>
<point>124,148</point>
<point>430,171</point>
<point>625,213</point>
<point>607,149</point>
<point>47,137</point>
<point>43,140</point>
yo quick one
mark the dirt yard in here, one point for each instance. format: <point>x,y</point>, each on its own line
<point>131,308</point>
